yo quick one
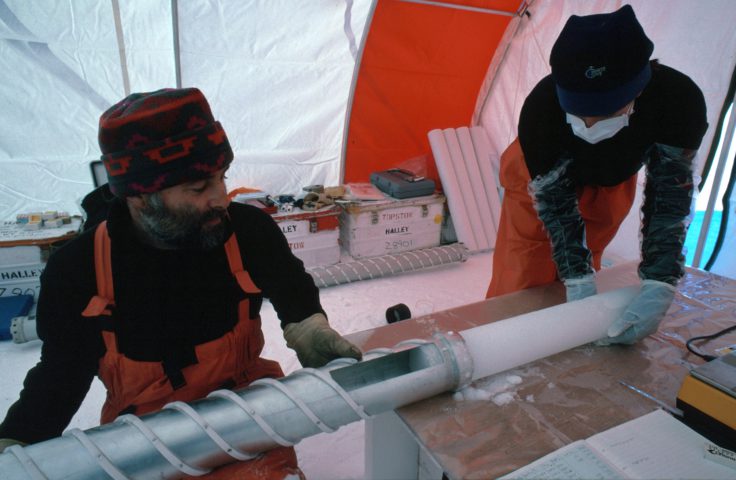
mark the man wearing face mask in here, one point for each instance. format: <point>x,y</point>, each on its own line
<point>570,177</point>
<point>161,301</point>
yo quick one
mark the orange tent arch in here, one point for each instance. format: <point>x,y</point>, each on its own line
<point>422,67</point>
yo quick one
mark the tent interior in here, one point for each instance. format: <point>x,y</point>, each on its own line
<point>326,92</point>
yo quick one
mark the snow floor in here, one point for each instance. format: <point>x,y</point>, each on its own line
<point>351,308</point>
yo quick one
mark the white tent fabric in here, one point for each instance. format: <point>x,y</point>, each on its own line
<point>277,74</point>
<point>695,37</point>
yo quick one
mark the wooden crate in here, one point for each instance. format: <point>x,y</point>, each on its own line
<point>369,229</point>
<point>313,236</point>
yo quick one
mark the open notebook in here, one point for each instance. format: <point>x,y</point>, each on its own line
<point>655,445</point>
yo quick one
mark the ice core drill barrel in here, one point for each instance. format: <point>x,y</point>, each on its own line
<point>226,426</point>
<point>191,439</point>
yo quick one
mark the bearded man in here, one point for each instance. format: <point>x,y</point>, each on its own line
<point>161,300</point>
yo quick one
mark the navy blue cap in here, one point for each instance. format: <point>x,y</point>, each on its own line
<point>600,62</point>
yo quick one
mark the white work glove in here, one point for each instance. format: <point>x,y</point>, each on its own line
<point>643,314</point>
<point>316,343</point>
<point>8,442</point>
<point>580,287</point>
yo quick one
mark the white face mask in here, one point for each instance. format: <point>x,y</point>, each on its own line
<point>601,130</point>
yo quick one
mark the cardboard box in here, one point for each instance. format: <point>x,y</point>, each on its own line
<point>369,229</point>
<point>23,254</point>
<point>313,236</point>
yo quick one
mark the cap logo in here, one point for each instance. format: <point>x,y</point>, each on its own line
<point>593,72</point>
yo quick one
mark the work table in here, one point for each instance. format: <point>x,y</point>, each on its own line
<point>555,400</point>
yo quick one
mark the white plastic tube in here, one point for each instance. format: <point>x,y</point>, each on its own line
<point>451,187</point>
<point>506,344</point>
<point>23,329</point>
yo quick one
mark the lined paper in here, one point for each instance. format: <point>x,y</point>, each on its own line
<point>655,445</point>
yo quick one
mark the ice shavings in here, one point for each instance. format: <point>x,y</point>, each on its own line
<point>498,389</point>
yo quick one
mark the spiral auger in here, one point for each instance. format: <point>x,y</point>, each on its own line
<point>192,439</point>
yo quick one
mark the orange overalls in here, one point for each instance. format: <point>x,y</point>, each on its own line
<point>141,387</point>
<point>523,255</point>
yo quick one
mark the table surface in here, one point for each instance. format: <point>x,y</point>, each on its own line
<point>564,397</point>
<point>14,235</point>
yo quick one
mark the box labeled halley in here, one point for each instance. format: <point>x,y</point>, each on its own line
<point>369,229</point>
<point>313,236</point>
<point>21,279</point>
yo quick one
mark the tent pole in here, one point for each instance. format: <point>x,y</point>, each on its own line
<point>177,52</point>
<point>720,167</point>
<point>121,46</point>
<point>462,7</point>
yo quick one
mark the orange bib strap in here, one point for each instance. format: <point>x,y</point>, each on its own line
<point>236,266</point>
<point>99,304</point>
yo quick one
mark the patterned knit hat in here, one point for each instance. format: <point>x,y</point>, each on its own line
<point>151,141</point>
<point>600,62</point>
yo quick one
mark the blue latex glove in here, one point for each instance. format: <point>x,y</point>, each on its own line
<point>580,287</point>
<point>643,314</point>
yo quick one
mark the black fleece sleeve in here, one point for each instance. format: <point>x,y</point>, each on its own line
<point>54,389</point>
<point>667,199</point>
<point>669,189</point>
<point>556,203</point>
<point>273,267</point>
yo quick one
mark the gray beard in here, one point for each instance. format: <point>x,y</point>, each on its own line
<point>182,228</point>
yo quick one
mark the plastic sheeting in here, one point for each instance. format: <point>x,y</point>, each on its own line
<point>522,414</point>
<point>277,74</point>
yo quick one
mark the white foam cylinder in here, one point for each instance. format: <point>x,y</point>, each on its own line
<point>458,162</point>
<point>451,187</point>
<point>506,344</point>
<point>476,181</point>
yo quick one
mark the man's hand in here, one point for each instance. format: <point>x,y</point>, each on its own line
<point>8,442</point>
<point>643,314</point>
<point>580,287</point>
<point>316,343</point>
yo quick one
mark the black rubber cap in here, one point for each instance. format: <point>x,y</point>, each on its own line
<point>397,313</point>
